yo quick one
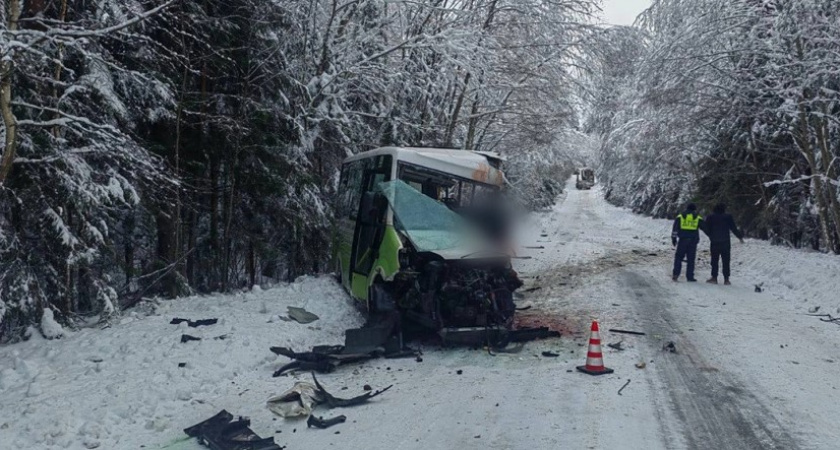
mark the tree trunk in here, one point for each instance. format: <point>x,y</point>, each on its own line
<point>453,121</point>
<point>252,264</point>
<point>830,172</point>
<point>7,67</point>
<point>805,147</point>
<point>216,260</point>
<point>128,248</point>
<point>469,144</point>
<point>57,75</point>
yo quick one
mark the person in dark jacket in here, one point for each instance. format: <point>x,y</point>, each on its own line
<point>717,226</point>
<point>685,237</point>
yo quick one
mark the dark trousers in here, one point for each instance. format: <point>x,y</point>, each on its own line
<point>686,248</point>
<point>721,250</point>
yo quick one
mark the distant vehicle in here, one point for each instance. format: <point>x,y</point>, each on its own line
<point>585,178</point>
<point>402,244</point>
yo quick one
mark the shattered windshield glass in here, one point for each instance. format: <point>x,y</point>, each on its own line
<point>428,223</point>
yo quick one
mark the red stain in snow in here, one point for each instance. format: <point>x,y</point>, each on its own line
<point>567,325</point>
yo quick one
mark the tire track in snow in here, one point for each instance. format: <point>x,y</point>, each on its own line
<point>716,410</point>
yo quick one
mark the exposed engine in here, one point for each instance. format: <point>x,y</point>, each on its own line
<point>464,293</point>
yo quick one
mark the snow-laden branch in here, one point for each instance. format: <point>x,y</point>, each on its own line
<point>803,178</point>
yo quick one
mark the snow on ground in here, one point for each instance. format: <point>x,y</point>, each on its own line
<point>122,387</point>
<point>751,370</point>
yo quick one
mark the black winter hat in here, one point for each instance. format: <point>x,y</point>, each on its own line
<point>691,207</point>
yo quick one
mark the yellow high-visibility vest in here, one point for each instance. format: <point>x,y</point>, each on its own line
<point>689,222</point>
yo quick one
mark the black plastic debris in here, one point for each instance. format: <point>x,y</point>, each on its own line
<point>187,338</point>
<point>196,323</point>
<point>335,402</point>
<point>320,422</point>
<point>221,432</point>
<point>637,333</point>
<point>550,354</point>
<point>322,358</point>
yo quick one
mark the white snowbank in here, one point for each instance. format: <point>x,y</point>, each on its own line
<point>49,327</point>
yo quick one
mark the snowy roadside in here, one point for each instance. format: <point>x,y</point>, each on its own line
<point>123,387</point>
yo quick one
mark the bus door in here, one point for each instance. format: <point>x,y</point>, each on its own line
<point>370,224</point>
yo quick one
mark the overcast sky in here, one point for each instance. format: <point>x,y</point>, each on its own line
<point>623,12</point>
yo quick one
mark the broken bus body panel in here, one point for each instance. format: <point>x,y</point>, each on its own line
<point>404,242</point>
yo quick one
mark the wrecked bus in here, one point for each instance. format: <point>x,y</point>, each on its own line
<point>407,240</point>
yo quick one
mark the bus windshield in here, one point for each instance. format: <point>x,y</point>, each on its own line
<point>428,223</point>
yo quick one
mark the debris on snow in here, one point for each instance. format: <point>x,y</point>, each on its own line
<point>303,397</point>
<point>826,318</point>
<point>320,422</point>
<point>221,432</point>
<point>193,324</point>
<point>638,333</point>
<point>622,387</point>
<point>670,347</point>
<point>187,338</point>
<point>297,401</point>
<point>322,358</point>
<point>301,315</point>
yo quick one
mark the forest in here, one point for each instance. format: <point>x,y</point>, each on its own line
<point>171,147</point>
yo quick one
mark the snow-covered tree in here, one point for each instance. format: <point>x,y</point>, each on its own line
<point>72,164</point>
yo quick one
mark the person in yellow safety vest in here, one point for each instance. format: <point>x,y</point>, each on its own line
<point>685,237</point>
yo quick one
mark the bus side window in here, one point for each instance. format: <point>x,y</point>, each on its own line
<point>350,187</point>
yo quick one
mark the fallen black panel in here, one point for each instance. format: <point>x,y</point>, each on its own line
<point>221,432</point>
<point>322,358</point>
<point>193,324</point>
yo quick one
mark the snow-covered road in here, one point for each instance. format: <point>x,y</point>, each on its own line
<point>751,370</point>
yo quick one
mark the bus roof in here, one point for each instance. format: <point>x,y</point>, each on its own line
<point>479,166</point>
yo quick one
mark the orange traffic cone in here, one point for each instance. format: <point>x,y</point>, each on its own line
<point>594,358</point>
